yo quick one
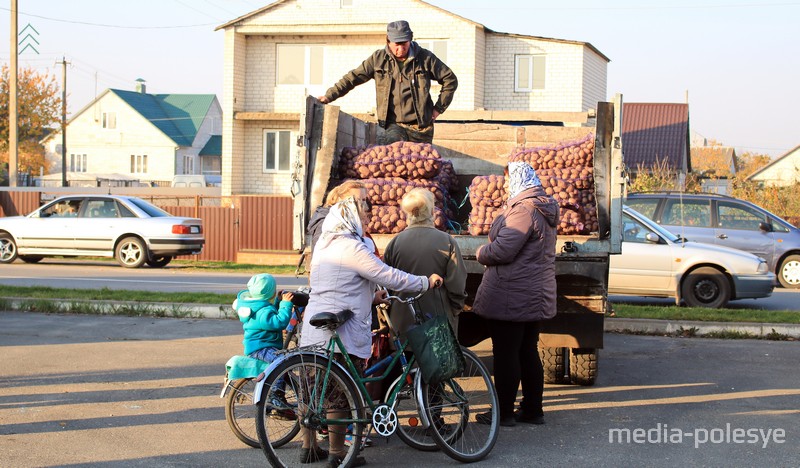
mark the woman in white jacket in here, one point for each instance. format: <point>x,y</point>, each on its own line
<point>344,275</point>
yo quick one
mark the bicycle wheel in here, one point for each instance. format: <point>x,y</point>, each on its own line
<point>409,427</point>
<point>240,412</point>
<point>452,406</point>
<point>304,380</point>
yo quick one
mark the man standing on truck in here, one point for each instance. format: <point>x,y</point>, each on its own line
<point>403,72</point>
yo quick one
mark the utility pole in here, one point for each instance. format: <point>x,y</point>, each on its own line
<point>64,182</point>
<point>13,123</point>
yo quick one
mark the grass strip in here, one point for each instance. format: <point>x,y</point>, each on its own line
<point>706,315</point>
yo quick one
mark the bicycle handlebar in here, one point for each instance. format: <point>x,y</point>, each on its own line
<point>406,300</point>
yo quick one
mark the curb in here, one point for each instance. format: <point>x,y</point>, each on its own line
<point>224,311</point>
<point>165,309</point>
<point>670,327</point>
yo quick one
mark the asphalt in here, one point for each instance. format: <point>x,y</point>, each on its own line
<point>611,324</point>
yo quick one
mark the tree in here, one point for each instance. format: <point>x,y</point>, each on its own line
<point>748,163</point>
<point>38,108</point>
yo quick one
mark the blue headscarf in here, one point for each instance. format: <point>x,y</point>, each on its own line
<point>521,176</point>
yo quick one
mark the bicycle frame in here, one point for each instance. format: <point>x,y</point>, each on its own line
<point>398,356</point>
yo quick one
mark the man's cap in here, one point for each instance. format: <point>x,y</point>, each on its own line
<point>399,31</point>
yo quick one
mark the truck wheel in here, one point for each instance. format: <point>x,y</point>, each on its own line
<point>553,364</point>
<point>583,366</point>
<point>706,287</point>
<point>789,272</point>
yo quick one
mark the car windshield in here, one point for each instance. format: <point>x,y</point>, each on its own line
<point>652,225</point>
<point>151,210</point>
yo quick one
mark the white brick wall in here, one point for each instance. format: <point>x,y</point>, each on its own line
<point>564,75</point>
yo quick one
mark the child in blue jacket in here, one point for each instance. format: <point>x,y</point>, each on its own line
<point>262,322</point>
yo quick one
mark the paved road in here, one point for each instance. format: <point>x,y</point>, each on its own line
<point>123,391</point>
<point>94,275</point>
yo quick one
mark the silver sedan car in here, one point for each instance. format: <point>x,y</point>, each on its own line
<point>129,229</point>
<point>656,263</point>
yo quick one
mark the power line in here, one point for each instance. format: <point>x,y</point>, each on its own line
<point>117,26</point>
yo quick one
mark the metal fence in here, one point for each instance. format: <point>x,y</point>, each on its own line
<point>253,223</point>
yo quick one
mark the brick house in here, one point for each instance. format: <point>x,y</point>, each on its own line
<point>279,54</point>
<point>129,137</point>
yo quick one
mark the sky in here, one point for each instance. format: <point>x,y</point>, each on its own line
<point>734,60</point>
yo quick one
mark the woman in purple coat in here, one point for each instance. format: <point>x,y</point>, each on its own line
<point>517,291</point>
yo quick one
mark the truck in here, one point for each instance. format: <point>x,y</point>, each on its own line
<point>480,145</point>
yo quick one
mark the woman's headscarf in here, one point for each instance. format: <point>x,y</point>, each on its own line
<point>342,219</point>
<point>521,177</point>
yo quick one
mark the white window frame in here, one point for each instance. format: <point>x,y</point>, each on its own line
<point>77,162</point>
<point>138,164</point>
<point>109,120</point>
<point>306,64</point>
<point>188,165</point>
<point>434,44</point>
<point>266,169</point>
<point>530,85</point>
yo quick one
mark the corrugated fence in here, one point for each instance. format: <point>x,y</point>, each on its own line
<point>247,222</point>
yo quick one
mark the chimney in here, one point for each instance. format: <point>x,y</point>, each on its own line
<point>140,86</point>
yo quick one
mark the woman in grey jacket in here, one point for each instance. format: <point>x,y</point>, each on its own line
<point>518,290</point>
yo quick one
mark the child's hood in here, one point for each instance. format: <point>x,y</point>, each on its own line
<point>246,306</point>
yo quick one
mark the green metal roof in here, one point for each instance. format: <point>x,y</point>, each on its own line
<point>213,147</point>
<point>178,116</point>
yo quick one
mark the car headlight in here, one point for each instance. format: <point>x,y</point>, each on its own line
<point>762,267</point>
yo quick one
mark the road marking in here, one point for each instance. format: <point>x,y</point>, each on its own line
<point>133,280</point>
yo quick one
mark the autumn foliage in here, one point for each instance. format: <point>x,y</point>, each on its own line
<point>38,109</point>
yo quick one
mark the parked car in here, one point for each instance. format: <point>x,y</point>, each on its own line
<point>731,222</point>
<point>129,229</point>
<point>656,263</point>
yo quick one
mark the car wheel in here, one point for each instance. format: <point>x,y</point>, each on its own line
<point>30,258</point>
<point>159,262</point>
<point>789,272</point>
<point>706,287</point>
<point>131,252</point>
<point>8,248</point>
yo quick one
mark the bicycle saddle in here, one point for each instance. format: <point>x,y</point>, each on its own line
<point>330,319</point>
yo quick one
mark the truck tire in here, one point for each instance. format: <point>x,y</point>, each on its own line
<point>553,364</point>
<point>583,366</point>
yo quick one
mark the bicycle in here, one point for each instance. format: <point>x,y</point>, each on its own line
<point>318,385</point>
<point>240,410</point>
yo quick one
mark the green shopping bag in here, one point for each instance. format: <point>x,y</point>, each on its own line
<point>436,350</point>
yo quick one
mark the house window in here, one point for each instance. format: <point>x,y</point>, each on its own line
<point>77,163</point>
<point>138,163</point>
<point>299,64</point>
<point>188,165</point>
<point>109,120</point>
<point>529,72</point>
<point>211,165</point>
<point>439,48</point>
<point>276,150</point>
